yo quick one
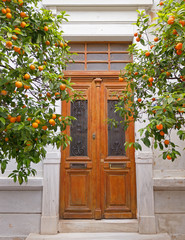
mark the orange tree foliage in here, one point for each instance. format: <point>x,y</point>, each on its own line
<point>156,79</point>
<point>32,56</point>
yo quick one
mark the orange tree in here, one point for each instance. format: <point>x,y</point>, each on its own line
<point>32,56</point>
<point>156,79</point>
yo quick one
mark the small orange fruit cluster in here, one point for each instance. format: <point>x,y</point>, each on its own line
<point>178,48</point>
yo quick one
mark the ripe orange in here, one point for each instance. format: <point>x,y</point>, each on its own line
<point>168,157</point>
<point>151,79</point>
<point>147,54</point>
<point>14,37</point>
<point>37,121</point>
<point>3,10</point>
<point>171,20</point>
<point>153,99</point>
<point>62,87</point>
<point>178,46</point>
<point>61,44</point>
<point>168,74</point>
<point>20,2</point>
<point>161,3</point>
<point>60,119</point>
<point>65,45</point>
<point>40,68</point>
<point>161,133</point>
<point>156,39</point>
<point>174,32</point>
<point>166,142</point>
<point>46,28</point>
<point>164,110</point>
<point>121,79</point>
<point>23,24</point>
<point>44,127</point>
<point>18,84</point>
<point>32,67</point>
<point>19,118</point>
<point>6,139</point>
<point>135,34</point>
<point>13,119</point>
<point>182,22</point>
<point>35,125</point>
<point>57,94</point>
<point>54,116</point>
<point>136,73</point>
<point>17,29</point>
<point>9,44</point>
<point>47,43</point>
<point>52,122</point>
<point>48,94</point>
<point>139,100</point>
<point>138,39</point>
<point>152,46</point>
<point>4,92</point>
<point>8,10</point>
<point>16,49</point>
<point>159,126</point>
<point>26,76</point>
<point>23,14</point>
<point>154,112</point>
<point>9,15</point>
<point>26,87</point>
<point>179,52</point>
<point>29,119</point>
<point>9,116</point>
<point>24,106</point>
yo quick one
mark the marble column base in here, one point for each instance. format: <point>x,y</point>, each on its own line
<point>49,225</point>
<point>147,225</point>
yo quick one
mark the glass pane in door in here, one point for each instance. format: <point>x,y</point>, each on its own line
<point>78,131</point>
<point>116,136</point>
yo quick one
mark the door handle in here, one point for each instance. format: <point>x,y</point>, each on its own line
<point>94,136</point>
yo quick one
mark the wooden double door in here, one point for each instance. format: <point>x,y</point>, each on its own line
<point>97,175</point>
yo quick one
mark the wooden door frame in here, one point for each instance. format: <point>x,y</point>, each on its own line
<point>90,76</point>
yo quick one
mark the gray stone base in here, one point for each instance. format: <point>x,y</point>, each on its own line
<point>99,236</point>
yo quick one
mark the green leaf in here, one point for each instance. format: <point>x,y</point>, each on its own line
<point>2,120</point>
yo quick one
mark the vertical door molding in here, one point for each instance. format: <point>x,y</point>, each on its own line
<point>98,212</point>
<point>145,194</point>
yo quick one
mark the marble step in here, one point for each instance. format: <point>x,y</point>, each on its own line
<point>89,226</point>
<point>99,236</point>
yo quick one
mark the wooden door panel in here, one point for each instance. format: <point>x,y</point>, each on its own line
<point>78,198</point>
<point>117,194</point>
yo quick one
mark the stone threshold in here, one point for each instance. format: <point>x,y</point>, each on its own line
<point>98,226</point>
<point>99,236</point>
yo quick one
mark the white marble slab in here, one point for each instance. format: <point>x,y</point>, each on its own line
<point>99,236</point>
